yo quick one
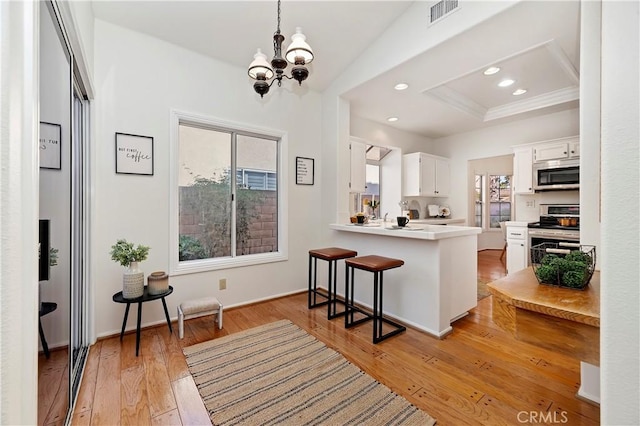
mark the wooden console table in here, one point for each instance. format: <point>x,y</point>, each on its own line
<point>560,319</point>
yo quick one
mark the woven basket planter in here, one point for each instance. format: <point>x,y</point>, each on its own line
<point>132,282</point>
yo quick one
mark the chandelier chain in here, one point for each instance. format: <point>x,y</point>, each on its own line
<point>278,32</point>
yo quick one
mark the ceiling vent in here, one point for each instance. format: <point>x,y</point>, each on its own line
<point>442,9</point>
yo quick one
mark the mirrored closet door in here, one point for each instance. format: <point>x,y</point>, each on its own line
<point>63,222</point>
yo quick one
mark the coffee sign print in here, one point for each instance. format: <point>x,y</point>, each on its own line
<point>134,154</point>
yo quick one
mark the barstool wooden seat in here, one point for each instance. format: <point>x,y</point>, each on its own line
<point>331,255</point>
<point>377,265</point>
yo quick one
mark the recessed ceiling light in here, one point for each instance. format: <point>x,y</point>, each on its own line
<point>506,83</point>
<point>519,92</point>
<point>392,119</point>
<point>401,86</point>
<point>491,70</point>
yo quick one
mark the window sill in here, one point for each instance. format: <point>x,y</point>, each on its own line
<point>207,265</point>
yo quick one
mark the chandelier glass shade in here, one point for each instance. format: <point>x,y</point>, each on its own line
<point>299,53</point>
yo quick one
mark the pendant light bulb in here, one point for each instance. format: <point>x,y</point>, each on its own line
<point>299,48</point>
<point>260,66</point>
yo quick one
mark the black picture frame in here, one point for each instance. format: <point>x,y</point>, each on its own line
<point>134,154</point>
<point>304,171</point>
<point>44,261</point>
<point>50,142</point>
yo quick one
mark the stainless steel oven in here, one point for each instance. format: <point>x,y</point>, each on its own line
<point>539,236</point>
<point>550,230</point>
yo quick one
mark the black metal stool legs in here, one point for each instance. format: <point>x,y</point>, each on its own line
<point>313,285</point>
<point>378,319</point>
<point>377,316</point>
<point>333,291</point>
<point>349,303</point>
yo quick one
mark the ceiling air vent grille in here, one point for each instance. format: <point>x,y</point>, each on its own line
<point>442,9</point>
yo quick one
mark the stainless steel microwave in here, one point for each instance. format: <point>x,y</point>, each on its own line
<point>556,175</point>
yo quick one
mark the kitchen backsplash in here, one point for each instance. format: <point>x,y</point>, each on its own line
<point>421,203</point>
<point>527,207</point>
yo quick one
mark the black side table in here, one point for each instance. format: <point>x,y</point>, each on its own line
<point>146,297</point>
<point>45,308</point>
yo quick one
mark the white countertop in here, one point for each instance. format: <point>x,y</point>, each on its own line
<point>438,221</point>
<point>413,230</point>
<point>516,223</point>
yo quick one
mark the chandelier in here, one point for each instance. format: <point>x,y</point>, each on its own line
<point>299,54</point>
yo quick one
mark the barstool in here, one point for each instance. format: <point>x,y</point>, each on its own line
<point>331,255</point>
<point>375,264</point>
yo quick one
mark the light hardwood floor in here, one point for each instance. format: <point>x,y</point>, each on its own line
<point>476,375</point>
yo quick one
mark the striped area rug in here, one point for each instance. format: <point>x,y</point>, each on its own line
<point>277,374</point>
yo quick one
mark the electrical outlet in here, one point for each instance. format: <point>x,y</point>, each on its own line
<point>531,203</point>
<point>223,283</point>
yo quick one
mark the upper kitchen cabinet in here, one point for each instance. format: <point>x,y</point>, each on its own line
<point>574,149</point>
<point>358,172</point>
<point>557,150</point>
<point>523,170</point>
<point>425,175</point>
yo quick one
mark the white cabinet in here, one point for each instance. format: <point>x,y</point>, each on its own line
<point>517,248</point>
<point>425,175</point>
<point>358,171</point>
<point>556,151</point>
<point>574,149</point>
<point>523,170</point>
<point>568,148</point>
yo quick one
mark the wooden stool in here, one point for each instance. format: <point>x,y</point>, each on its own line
<point>331,255</point>
<point>375,264</point>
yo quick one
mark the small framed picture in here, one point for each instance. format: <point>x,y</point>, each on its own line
<point>134,154</point>
<point>304,171</point>
<point>50,141</point>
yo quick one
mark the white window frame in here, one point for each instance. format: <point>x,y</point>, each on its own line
<point>486,203</point>
<point>176,267</point>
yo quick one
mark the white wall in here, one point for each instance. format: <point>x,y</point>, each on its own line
<point>55,189</point>
<point>590,56</point>
<point>382,135</point>
<point>620,299</point>
<point>19,213</point>
<point>138,80</point>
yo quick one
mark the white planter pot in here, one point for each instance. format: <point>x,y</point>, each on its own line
<point>132,282</point>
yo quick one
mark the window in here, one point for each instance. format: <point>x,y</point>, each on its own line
<point>499,200</point>
<point>479,197</point>
<point>226,183</point>
<point>371,198</point>
<point>497,208</point>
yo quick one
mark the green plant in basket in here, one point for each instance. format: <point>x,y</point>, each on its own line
<point>574,279</point>
<point>547,274</point>
<point>125,252</point>
<point>579,256</point>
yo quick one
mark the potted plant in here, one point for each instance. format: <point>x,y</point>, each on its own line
<point>128,255</point>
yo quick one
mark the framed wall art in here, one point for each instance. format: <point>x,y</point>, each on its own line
<point>304,171</point>
<point>134,154</point>
<point>50,142</point>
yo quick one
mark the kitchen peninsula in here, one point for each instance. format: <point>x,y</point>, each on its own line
<point>437,283</point>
